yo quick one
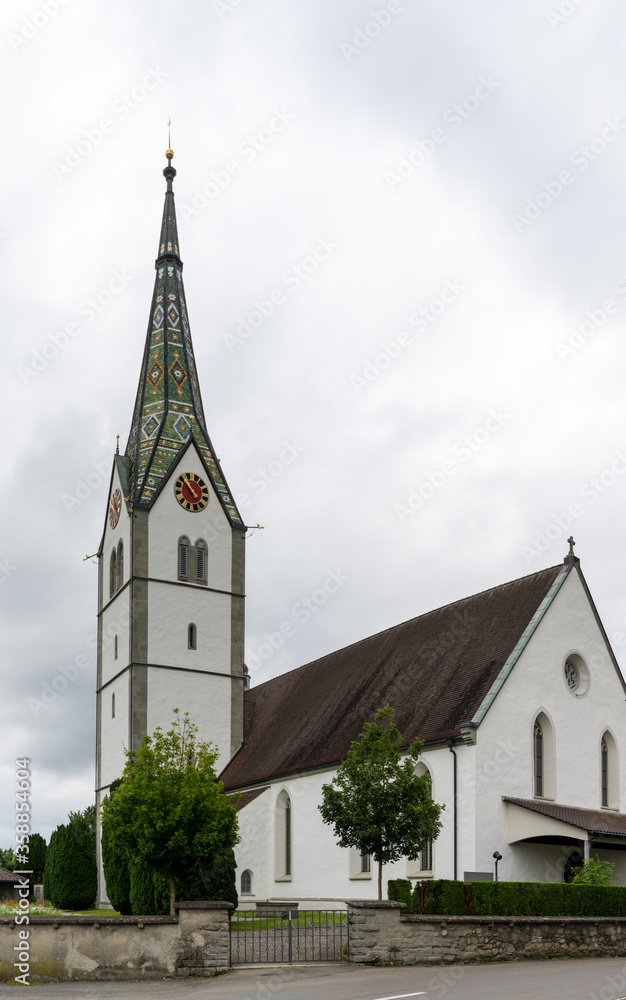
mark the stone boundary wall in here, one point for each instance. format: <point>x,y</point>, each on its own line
<point>195,943</point>
<point>381,933</point>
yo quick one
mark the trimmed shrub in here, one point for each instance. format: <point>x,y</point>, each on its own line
<point>512,899</point>
<point>142,890</point>
<point>37,857</point>
<point>401,891</point>
<point>70,875</point>
<point>116,876</point>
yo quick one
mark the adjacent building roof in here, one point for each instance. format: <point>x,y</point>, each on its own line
<point>591,820</point>
<point>436,671</point>
<point>168,410</point>
<point>6,875</point>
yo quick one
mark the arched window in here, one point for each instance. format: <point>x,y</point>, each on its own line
<point>192,636</point>
<point>115,648</point>
<point>112,706</point>
<point>609,772</point>
<point>283,838</point>
<point>120,565</point>
<point>544,758</point>
<point>246,882</point>
<point>422,866</point>
<point>201,561</point>
<point>183,558</point>
<point>112,573</point>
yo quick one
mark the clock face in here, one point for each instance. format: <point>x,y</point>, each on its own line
<point>115,507</point>
<point>191,491</point>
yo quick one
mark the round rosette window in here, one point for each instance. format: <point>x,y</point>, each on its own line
<point>576,675</point>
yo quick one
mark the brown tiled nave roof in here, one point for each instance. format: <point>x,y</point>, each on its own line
<point>434,670</point>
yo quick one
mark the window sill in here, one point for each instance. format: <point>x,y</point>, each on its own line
<point>420,875</point>
<point>283,878</point>
<point>361,875</point>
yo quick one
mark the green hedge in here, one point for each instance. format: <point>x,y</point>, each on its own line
<point>509,899</point>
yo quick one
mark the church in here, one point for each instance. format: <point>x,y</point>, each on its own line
<point>515,692</point>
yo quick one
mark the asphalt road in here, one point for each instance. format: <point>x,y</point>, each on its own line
<point>586,979</point>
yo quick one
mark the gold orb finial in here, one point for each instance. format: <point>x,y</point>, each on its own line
<point>169,153</point>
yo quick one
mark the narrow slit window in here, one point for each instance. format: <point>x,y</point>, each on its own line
<point>112,706</point>
<point>605,773</point>
<point>192,636</point>
<point>115,648</point>
<point>538,740</point>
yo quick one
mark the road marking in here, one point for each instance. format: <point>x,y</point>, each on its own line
<point>400,996</point>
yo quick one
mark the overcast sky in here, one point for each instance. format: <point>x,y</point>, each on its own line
<point>404,235</point>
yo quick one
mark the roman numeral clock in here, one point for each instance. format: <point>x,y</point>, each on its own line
<point>191,491</point>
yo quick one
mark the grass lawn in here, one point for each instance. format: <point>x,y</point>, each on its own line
<point>93,913</point>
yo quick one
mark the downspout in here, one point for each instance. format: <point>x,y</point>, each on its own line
<point>453,752</point>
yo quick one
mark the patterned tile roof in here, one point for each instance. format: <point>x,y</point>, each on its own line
<point>436,671</point>
<point>168,410</point>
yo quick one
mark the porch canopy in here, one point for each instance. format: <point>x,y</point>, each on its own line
<point>539,822</point>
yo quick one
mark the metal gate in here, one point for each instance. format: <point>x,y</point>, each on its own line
<point>288,936</point>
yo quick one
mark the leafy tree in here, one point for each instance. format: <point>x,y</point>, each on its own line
<point>379,805</point>
<point>9,861</point>
<point>170,811</point>
<point>84,826</point>
<point>37,857</point>
<point>70,876</point>
<point>593,872</point>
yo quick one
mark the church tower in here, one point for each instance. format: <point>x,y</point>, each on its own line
<point>171,560</point>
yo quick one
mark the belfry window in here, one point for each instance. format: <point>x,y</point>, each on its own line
<point>120,565</point>
<point>112,573</point>
<point>201,561</point>
<point>183,558</point>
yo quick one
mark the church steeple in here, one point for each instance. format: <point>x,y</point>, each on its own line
<point>168,409</point>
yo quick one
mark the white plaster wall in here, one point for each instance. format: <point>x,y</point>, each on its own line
<point>255,849</point>
<point>171,609</point>
<point>112,537</point>
<point>168,521</point>
<point>504,741</point>
<point>115,621</point>
<point>320,868</point>
<point>207,699</point>
<point>114,732</point>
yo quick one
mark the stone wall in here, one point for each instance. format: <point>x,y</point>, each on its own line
<point>195,943</point>
<point>382,933</point>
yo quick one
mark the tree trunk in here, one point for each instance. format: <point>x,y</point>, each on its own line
<point>380,881</point>
<point>172,897</point>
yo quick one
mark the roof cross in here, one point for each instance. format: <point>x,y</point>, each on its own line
<point>572,543</point>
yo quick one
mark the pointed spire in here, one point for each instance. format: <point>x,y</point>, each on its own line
<point>168,409</point>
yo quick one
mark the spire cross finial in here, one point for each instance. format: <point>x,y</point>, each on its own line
<point>572,543</point>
